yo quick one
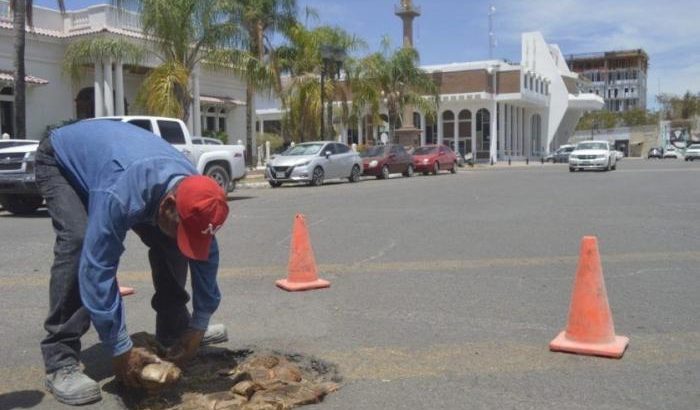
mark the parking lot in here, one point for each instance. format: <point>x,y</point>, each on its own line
<point>446,290</point>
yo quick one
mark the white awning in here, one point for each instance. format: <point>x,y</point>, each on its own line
<point>209,99</point>
<point>9,78</point>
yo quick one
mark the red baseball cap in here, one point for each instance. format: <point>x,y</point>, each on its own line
<point>201,205</point>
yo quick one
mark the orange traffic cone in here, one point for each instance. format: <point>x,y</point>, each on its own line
<point>303,274</point>
<point>590,329</point>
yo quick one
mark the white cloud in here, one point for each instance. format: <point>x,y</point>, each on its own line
<point>667,30</point>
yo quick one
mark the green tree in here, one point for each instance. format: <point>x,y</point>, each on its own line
<point>22,14</point>
<point>302,60</point>
<point>394,79</point>
<point>261,20</point>
<point>183,33</point>
<point>676,107</point>
<point>88,51</point>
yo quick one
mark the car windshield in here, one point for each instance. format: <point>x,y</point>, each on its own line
<point>424,150</point>
<point>591,145</point>
<point>377,151</point>
<point>304,149</point>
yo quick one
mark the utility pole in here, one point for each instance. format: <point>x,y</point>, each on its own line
<point>492,36</point>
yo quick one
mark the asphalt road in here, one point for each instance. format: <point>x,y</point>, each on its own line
<point>445,290</point>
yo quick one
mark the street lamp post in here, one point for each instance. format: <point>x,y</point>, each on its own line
<point>332,57</point>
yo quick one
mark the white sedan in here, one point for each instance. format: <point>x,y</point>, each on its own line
<point>672,152</point>
<point>692,152</point>
<point>593,155</point>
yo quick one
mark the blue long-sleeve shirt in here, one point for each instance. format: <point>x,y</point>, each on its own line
<point>122,172</point>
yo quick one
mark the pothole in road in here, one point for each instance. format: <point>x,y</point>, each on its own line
<point>248,379</point>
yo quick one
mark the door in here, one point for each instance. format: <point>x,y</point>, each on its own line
<point>345,155</point>
<point>332,166</point>
<point>443,158</point>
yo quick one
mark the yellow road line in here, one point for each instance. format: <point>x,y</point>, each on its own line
<point>406,266</point>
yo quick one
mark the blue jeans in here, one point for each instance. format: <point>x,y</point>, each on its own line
<point>68,319</point>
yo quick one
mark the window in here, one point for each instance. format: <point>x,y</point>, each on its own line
<point>327,148</point>
<point>214,119</point>
<point>464,129</point>
<point>483,130</point>
<point>448,124</point>
<point>145,124</point>
<point>341,148</point>
<point>171,132</point>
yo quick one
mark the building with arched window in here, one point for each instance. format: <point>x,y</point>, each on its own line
<point>496,110</point>
<point>105,88</point>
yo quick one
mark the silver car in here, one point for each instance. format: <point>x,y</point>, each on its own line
<point>314,162</point>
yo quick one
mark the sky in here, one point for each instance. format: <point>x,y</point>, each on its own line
<point>457,30</point>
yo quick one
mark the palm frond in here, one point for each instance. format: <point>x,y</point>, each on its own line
<point>91,50</point>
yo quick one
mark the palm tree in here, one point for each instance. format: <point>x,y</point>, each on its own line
<point>394,80</point>
<point>302,60</point>
<point>260,20</point>
<point>88,51</point>
<point>22,15</point>
<point>184,33</point>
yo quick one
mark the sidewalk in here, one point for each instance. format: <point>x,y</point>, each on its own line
<point>256,177</point>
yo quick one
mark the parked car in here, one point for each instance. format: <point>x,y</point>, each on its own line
<point>434,158</point>
<point>382,160</point>
<point>314,162</point>
<point>692,152</point>
<point>655,152</point>
<point>16,143</point>
<point>593,155</point>
<point>672,152</point>
<point>206,141</point>
<point>19,193</point>
<point>224,163</point>
<point>561,155</point>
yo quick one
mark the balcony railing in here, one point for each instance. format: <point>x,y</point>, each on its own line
<point>400,8</point>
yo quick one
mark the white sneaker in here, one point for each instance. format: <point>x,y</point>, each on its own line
<point>215,334</point>
<point>70,385</point>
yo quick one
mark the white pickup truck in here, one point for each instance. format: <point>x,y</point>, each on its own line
<point>224,163</point>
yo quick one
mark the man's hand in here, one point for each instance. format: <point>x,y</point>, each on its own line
<point>185,348</point>
<point>128,366</point>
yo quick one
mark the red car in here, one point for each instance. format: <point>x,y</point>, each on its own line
<point>434,158</point>
<point>382,160</point>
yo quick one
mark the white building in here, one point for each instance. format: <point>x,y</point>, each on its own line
<point>107,88</point>
<point>495,109</point>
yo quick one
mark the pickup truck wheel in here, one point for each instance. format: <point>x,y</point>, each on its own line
<point>21,204</point>
<point>218,174</point>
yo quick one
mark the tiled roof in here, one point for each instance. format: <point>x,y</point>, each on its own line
<point>9,76</point>
<point>76,33</point>
<point>220,100</point>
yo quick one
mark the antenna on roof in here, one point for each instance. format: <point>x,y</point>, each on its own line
<point>492,35</point>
